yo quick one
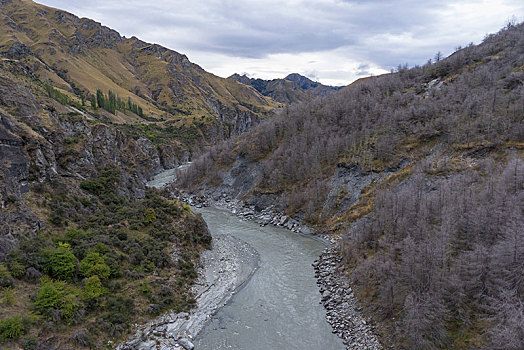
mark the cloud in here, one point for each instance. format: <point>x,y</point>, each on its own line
<point>338,35</point>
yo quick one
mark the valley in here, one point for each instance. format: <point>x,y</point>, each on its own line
<point>146,203</point>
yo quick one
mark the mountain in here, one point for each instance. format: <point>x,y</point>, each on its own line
<point>418,177</point>
<point>293,88</point>
<point>78,56</point>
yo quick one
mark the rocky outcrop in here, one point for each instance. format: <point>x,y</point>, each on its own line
<point>347,183</point>
<point>15,217</point>
<point>17,97</point>
<point>241,120</point>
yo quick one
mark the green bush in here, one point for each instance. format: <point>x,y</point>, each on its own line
<point>17,269</point>
<point>119,309</point>
<point>5,277</point>
<point>56,295</point>
<point>7,296</point>
<point>49,296</point>
<point>94,265</point>
<point>11,328</point>
<point>75,235</point>
<point>68,307</point>
<point>149,216</point>
<point>92,288</point>
<point>60,262</point>
<point>104,184</point>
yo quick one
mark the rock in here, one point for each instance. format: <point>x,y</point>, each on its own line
<point>81,337</point>
<point>283,220</point>
<point>186,344</point>
<point>147,345</point>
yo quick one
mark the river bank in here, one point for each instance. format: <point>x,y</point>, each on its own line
<point>343,311</point>
<point>224,269</point>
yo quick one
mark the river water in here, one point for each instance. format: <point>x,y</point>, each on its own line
<point>279,308</point>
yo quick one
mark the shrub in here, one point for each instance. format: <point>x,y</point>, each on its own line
<point>93,265</point>
<point>119,309</point>
<point>56,295</point>
<point>7,296</point>
<point>68,307</point>
<point>149,216</point>
<point>49,296</point>
<point>75,235</point>
<point>17,269</point>
<point>60,262</point>
<point>5,277</point>
<point>92,288</point>
<point>11,328</point>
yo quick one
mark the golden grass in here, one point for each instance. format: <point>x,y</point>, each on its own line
<point>124,69</point>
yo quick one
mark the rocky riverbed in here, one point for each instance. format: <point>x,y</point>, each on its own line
<point>343,311</point>
<point>224,269</point>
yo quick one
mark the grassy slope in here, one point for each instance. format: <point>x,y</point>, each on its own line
<point>94,57</point>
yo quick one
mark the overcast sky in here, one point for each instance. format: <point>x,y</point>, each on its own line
<point>332,41</point>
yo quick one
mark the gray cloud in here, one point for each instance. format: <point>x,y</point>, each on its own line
<point>377,33</point>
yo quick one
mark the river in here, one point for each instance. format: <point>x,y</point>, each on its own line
<point>279,308</point>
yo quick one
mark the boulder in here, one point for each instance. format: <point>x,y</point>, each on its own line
<point>186,344</point>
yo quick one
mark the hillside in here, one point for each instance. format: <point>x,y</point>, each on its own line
<point>419,175</point>
<point>80,56</point>
<point>293,88</point>
<point>86,250</point>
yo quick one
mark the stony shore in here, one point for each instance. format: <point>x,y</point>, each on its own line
<point>343,311</point>
<point>225,268</point>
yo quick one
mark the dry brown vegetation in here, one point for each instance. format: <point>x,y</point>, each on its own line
<point>436,249</point>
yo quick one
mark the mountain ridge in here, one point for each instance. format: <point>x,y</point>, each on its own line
<point>79,56</point>
<point>291,89</point>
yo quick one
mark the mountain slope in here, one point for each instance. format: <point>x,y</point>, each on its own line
<point>79,56</point>
<point>293,88</point>
<point>419,175</point>
<point>86,250</point>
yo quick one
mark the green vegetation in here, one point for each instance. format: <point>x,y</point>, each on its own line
<point>60,262</point>
<point>112,103</point>
<point>60,97</point>
<point>108,257</point>
<point>12,328</point>
<point>92,288</point>
<point>93,265</point>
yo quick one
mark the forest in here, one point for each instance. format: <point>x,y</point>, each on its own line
<point>435,251</point>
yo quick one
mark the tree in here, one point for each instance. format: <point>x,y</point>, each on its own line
<point>49,296</point>
<point>93,265</point>
<point>92,289</point>
<point>60,262</point>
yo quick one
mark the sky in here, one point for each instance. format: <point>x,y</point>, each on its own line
<point>331,41</point>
